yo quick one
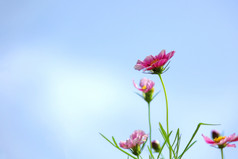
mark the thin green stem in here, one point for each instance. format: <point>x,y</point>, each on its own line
<point>149,122</point>
<point>167,110</point>
<point>167,107</point>
<point>222,157</point>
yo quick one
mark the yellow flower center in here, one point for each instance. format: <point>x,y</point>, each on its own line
<point>154,62</point>
<point>218,139</point>
<point>144,87</point>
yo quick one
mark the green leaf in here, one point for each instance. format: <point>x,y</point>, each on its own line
<point>155,95</point>
<point>144,145</point>
<point>116,146</point>
<point>107,139</point>
<point>177,141</point>
<point>166,138</point>
<point>177,145</point>
<point>190,145</point>
<point>163,133</point>
<point>176,136</point>
<point>114,141</point>
<point>194,134</point>
<point>162,147</point>
<point>140,95</point>
<point>151,154</point>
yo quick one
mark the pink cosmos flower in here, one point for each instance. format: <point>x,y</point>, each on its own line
<point>154,63</point>
<point>145,85</point>
<point>136,139</point>
<point>221,141</point>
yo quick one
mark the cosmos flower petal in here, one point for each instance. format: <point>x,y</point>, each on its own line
<point>138,137</point>
<point>123,144</point>
<point>153,64</point>
<point>139,67</point>
<point>143,82</point>
<point>145,85</point>
<point>161,55</point>
<point>140,62</point>
<point>170,55</point>
<point>208,140</point>
<point>140,89</point>
<point>231,145</point>
<point>148,60</point>
<point>223,141</point>
<point>160,63</point>
<point>233,137</point>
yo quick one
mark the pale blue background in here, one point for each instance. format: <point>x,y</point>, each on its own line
<point>66,71</point>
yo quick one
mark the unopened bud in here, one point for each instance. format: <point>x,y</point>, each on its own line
<point>156,146</point>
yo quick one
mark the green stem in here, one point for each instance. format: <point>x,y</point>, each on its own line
<point>222,157</point>
<point>167,110</point>
<point>167,107</point>
<point>149,122</point>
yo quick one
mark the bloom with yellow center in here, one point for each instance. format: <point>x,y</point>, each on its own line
<point>145,85</point>
<point>154,64</point>
<point>218,139</point>
<point>221,141</point>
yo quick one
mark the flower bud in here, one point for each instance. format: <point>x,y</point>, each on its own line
<point>156,146</point>
<point>148,96</point>
<point>147,87</point>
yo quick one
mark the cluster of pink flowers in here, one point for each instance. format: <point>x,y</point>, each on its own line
<point>136,139</point>
<point>145,85</point>
<point>221,141</point>
<point>154,63</point>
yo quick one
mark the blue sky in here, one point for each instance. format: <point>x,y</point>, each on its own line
<point>66,71</point>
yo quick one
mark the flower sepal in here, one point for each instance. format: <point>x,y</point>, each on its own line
<point>148,96</point>
<point>158,70</point>
<point>136,150</point>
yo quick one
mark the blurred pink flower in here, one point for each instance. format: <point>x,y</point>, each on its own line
<point>136,139</point>
<point>154,63</point>
<point>221,141</point>
<point>145,85</point>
